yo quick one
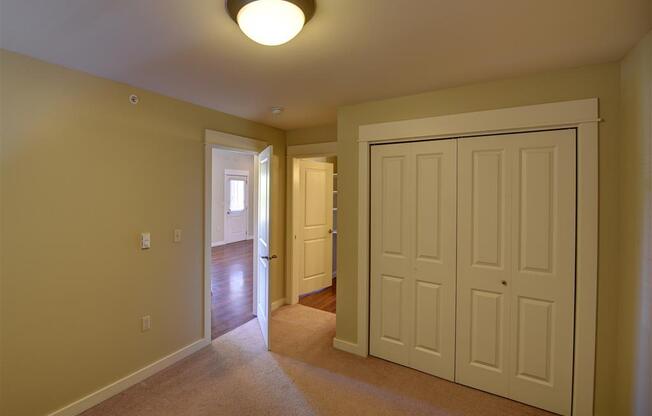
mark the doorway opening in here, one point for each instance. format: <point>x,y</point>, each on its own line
<point>237,264</point>
<point>232,274</point>
<point>313,231</point>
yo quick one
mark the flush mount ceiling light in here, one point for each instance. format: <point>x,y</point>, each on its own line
<point>271,22</point>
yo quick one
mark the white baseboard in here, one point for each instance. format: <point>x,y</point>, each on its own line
<point>124,383</point>
<point>277,304</point>
<point>217,243</point>
<point>348,346</point>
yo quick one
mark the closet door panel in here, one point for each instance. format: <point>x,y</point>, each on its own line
<point>483,259</point>
<point>391,224</point>
<point>433,171</point>
<point>516,267</point>
<point>543,271</point>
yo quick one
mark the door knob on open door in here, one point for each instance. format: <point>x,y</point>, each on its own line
<point>330,231</point>
<point>272,257</point>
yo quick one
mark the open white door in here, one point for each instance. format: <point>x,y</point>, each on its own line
<point>263,241</point>
<point>315,235</point>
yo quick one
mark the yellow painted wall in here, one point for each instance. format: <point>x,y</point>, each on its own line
<point>635,312</point>
<point>83,172</point>
<point>311,135</point>
<point>602,81</point>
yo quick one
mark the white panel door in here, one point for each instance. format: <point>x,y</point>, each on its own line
<point>235,198</point>
<point>315,234</point>
<point>263,242</point>
<point>391,230</point>
<point>542,287</point>
<point>483,264</point>
<point>413,219</point>
<point>516,266</point>
<point>433,170</point>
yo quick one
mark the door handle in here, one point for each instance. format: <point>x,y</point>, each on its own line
<point>330,231</point>
<point>268,258</point>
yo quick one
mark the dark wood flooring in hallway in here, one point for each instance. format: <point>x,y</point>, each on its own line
<point>231,286</point>
<point>322,299</point>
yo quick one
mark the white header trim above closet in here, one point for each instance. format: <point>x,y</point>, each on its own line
<point>564,114</point>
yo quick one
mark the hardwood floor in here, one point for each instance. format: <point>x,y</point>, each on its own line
<point>231,286</point>
<point>322,299</point>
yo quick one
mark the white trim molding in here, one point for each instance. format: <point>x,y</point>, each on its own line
<point>236,172</point>
<point>232,142</point>
<point>124,383</point>
<point>315,149</point>
<point>347,346</point>
<point>581,115</point>
<point>531,117</point>
<point>278,303</point>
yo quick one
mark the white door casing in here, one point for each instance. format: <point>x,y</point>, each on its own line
<point>264,253</point>
<point>516,266</point>
<point>236,212</point>
<point>314,235</point>
<point>413,217</point>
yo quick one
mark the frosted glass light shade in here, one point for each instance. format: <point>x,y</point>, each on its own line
<point>271,22</point>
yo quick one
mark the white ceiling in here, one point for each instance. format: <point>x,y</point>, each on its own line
<point>351,51</point>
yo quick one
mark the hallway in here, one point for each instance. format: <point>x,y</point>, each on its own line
<point>231,286</point>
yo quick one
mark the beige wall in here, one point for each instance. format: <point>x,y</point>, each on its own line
<point>83,172</point>
<point>311,135</point>
<point>635,280</point>
<point>600,81</point>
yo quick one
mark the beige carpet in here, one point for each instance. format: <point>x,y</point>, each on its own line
<point>304,375</point>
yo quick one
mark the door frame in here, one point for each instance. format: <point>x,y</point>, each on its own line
<point>218,140</point>
<point>243,173</point>
<point>292,155</point>
<point>582,115</point>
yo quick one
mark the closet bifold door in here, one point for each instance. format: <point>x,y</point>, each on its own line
<point>413,226</point>
<point>516,266</point>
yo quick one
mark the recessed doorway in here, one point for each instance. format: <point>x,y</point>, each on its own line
<point>312,230</point>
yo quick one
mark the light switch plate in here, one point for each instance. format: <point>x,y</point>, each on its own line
<point>177,235</point>
<point>145,323</point>
<point>145,241</point>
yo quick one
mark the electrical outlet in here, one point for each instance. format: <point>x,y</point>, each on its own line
<point>177,235</point>
<point>145,323</point>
